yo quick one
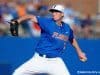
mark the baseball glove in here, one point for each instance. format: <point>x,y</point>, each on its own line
<point>14,27</point>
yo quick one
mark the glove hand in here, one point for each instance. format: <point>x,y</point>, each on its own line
<point>14,28</point>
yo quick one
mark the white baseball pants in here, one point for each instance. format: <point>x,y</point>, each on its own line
<point>38,64</point>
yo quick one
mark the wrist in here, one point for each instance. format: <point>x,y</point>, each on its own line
<point>15,22</point>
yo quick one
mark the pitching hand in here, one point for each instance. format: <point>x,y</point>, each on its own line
<point>82,57</point>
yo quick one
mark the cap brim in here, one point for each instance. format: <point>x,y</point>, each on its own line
<point>54,10</point>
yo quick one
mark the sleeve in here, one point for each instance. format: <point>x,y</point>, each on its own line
<point>71,35</point>
<point>42,22</point>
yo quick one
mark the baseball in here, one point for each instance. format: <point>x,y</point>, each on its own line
<point>83,60</point>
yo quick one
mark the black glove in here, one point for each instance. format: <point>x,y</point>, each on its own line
<point>14,27</point>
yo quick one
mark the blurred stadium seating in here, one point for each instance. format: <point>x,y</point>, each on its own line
<point>83,7</point>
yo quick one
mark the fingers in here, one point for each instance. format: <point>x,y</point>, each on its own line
<point>83,57</point>
<point>14,22</point>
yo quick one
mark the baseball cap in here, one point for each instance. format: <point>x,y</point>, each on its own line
<point>57,7</point>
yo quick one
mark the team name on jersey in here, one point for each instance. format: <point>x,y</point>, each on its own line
<point>60,36</point>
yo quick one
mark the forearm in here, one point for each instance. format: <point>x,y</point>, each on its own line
<point>76,46</point>
<point>27,17</point>
<point>81,54</point>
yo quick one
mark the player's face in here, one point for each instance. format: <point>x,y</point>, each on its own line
<point>57,15</point>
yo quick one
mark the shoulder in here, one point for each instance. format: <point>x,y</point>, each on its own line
<point>66,25</point>
<point>43,18</point>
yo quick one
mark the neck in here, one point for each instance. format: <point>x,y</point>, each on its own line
<point>59,23</point>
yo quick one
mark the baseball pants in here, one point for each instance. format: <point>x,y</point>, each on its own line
<point>38,64</point>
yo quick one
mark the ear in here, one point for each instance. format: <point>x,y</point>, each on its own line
<point>62,14</point>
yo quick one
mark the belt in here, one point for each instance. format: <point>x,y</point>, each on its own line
<point>47,56</point>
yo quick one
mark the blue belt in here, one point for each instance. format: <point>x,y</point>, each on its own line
<point>47,56</point>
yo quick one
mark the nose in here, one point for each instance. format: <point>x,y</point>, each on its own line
<point>54,13</point>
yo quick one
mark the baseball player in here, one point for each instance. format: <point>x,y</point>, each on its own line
<point>54,36</point>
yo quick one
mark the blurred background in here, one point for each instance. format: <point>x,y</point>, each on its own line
<point>83,16</point>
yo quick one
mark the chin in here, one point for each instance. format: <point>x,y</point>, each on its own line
<point>56,19</point>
